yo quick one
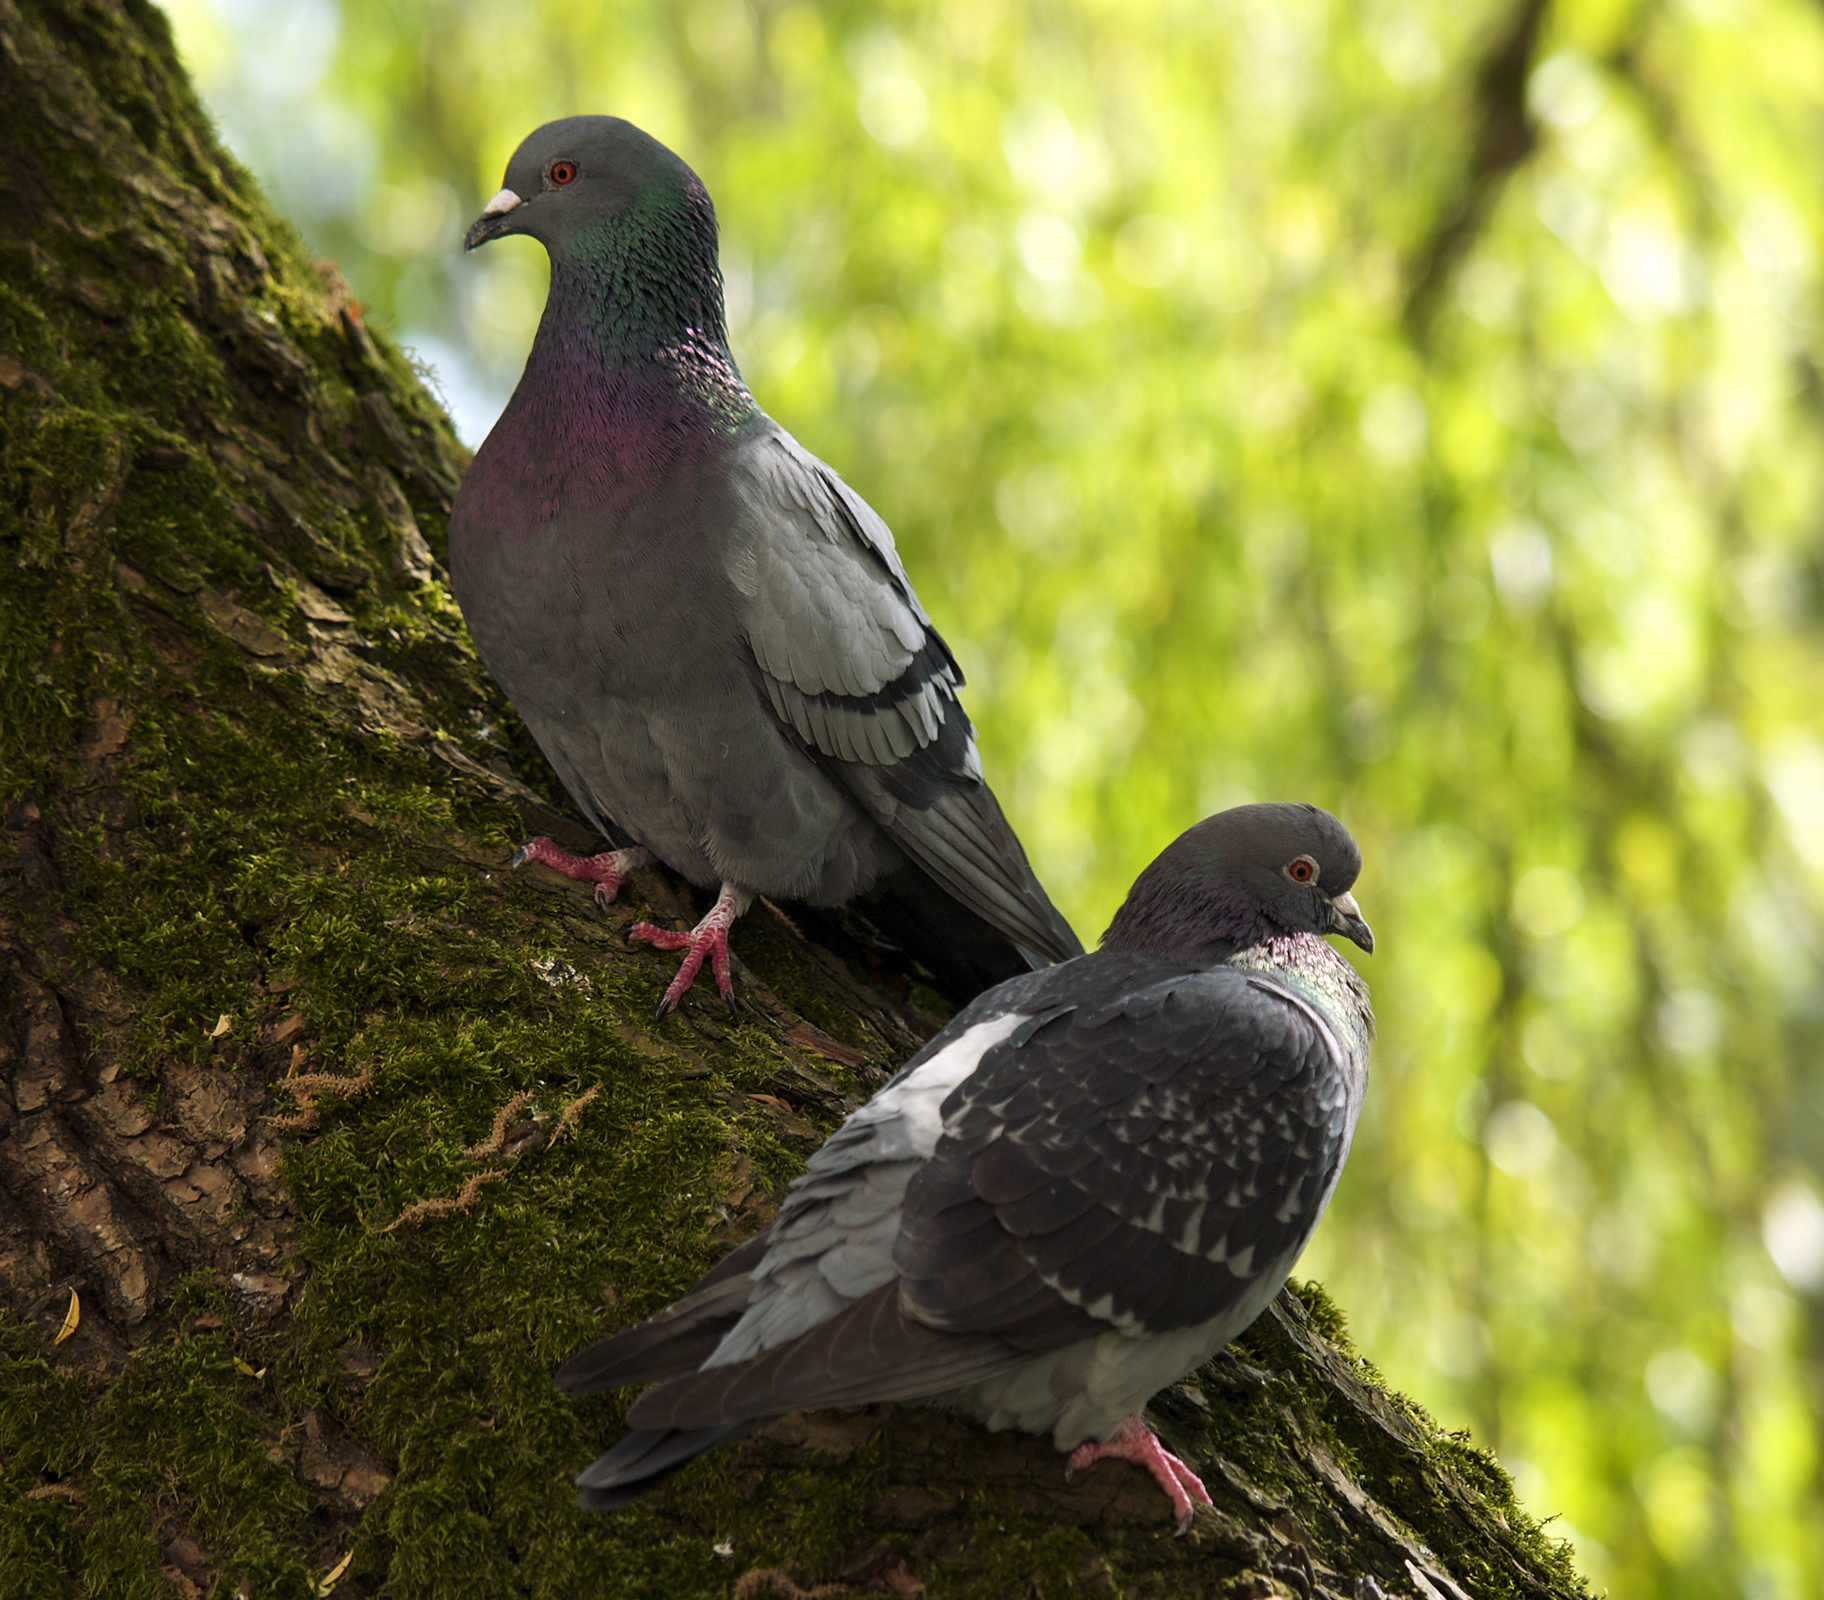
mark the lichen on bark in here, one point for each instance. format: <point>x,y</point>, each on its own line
<point>340,1134</point>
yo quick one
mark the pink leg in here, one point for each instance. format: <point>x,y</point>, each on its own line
<point>708,938</point>
<point>1135,1441</point>
<point>608,871</point>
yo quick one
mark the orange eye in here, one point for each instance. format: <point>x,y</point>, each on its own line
<point>1302,870</point>
<point>563,172</point>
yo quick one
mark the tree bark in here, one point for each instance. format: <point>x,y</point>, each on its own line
<point>322,1136</point>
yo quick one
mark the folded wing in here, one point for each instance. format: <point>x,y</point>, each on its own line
<point>848,660</point>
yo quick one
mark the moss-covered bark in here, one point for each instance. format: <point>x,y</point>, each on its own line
<point>329,1135</point>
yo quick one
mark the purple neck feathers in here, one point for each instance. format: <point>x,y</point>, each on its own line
<point>630,378</point>
<point>577,435</point>
<point>1187,918</point>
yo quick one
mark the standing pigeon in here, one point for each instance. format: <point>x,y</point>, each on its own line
<point>1084,1187</point>
<point>709,634</point>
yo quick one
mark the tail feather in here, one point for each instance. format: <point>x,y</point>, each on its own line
<point>644,1459</point>
<point>646,1354</point>
<point>965,843</point>
<point>867,1352</point>
<point>963,953</point>
<point>677,1340</point>
<point>959,838</point>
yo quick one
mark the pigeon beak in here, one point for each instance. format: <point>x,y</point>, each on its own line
<point>1346,919</point>
<point>495,219</point>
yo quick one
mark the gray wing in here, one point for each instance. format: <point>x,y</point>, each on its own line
<point>849,661</point>
<point>822,1314</point>
<point>1135,1160</point>
<point>1140,1165</point>
<point>834,1236</point>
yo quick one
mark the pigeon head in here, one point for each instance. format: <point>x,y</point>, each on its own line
<point>1240,878</point>
<point>575,179</point>
<point>631,234</point>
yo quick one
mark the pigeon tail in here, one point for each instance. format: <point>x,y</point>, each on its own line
<point>964,953</point>
<point>644,1459</point>
<point>963,842</point>
<point>1134,1441</point>
<point>708,938</point>
<point>677,1341</point>
<point>607,871</point>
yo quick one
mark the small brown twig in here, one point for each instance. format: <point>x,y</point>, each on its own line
<point>443,1207</point>
<point>568,1118</point>
<point>497,1137</point>
<point>790,926</point>
<point>306,1086</point>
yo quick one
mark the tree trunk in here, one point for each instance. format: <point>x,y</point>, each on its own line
<point>322,1136</point>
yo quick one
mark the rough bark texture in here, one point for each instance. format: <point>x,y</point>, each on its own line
<point>322,1138</point>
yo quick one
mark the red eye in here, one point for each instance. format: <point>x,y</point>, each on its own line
<point>563,172</point>
<point>1302,870</point>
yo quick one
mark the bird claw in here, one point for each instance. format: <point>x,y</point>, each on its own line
<point>607,871</point>
<point>708,939</point>
<point>668,1003</point>
<point>1134,1441</point>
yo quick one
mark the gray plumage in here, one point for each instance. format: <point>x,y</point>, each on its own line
<point>710,635</point>
<point>1083,1187</point>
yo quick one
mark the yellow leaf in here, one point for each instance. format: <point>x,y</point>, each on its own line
<point>70,1319</point>
<point>241,1366</point>
<point>328,1580</point>
<point>222,1024</point>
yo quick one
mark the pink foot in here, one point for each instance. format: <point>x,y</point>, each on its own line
<point>1135,1441</point>
<point>708,938</point>
<point>608,871</point>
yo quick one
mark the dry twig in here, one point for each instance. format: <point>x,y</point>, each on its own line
<point>443,1207</point>
<point>790,926</point>
<point>306,1086</point>
<point>497,1137</point>
<point>770,1580</point>
<point>568,1118</point>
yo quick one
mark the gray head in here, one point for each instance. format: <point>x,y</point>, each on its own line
<point>632,238</point>
<point>1241,877</point>
<point>571,176</point>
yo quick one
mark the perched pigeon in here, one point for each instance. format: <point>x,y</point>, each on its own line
<point>1087,1184</point>
<point>709,633</point>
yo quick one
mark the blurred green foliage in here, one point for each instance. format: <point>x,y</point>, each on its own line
<point>1276,398</point>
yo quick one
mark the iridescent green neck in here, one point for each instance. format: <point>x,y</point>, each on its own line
<point>638,296</point>
<point>1312,964</point>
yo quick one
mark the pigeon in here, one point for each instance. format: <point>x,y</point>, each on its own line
<point>709,634</point>
<point>1080,1190</point>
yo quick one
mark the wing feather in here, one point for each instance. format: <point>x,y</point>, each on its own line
<point>1163,1208</point>
<point>849,662</point>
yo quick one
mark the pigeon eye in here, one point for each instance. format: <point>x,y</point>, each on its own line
<point>1302,869</point>
<point>563,172</point>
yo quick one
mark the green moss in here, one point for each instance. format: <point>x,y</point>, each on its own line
<point>172,1437</point>
<point>1405,1460</point>
<point>272,846</point>
<point>1325,1314</point>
